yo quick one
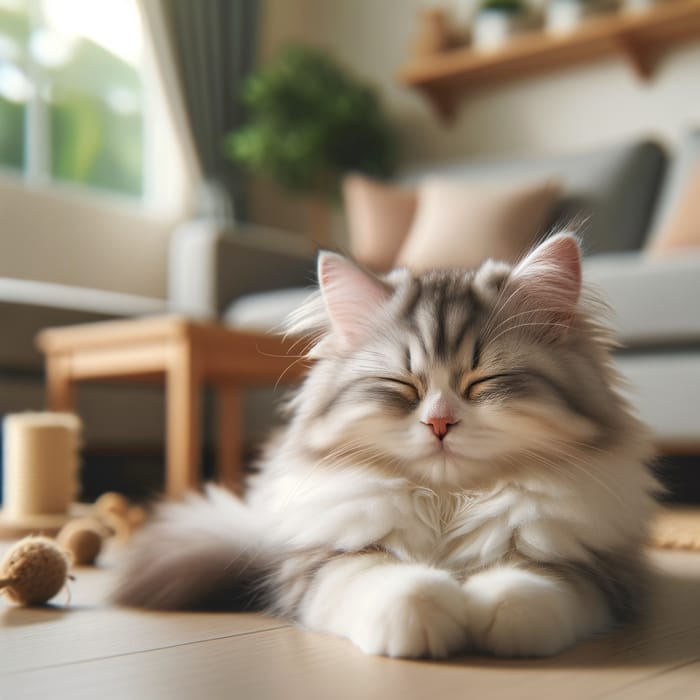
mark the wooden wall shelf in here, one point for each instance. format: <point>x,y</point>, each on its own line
<point>637,38</point>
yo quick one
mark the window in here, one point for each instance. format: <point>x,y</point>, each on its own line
<point>71,93</point>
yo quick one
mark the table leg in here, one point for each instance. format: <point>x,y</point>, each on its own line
<point>229,436</point>
<point>60,389</point>
<point>183,418</point>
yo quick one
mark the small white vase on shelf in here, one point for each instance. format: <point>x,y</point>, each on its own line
<point>493,27</point>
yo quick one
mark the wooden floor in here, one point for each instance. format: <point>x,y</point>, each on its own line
<point>86,649</point>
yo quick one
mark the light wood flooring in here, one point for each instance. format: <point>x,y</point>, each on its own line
<point>85,649</point>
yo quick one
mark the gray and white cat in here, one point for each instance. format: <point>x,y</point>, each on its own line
<point>459,472</point>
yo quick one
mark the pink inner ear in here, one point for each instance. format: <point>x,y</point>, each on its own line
<point>352,297</point>
<point>550,275</point>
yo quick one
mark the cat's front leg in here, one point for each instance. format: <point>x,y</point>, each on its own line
<point>387,607</point>
<point>515,611</point>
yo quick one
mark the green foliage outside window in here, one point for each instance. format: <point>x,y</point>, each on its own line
<point>12,118</point>
<point>14,32</point>
<point>92,142</point>
<point>93,106</point>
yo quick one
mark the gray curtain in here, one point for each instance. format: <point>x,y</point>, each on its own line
<point>213,44</point>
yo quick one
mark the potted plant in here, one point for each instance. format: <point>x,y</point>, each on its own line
<point>496,21</point>
<point>310,123</point>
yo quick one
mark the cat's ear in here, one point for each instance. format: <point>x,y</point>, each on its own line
<point>351,296</point>
<point>549,277</point>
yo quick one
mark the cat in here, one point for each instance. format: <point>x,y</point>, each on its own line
<point>459,472</point>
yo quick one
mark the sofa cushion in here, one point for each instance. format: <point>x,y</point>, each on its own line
<point>685,160</point>
<point>379,217</point>
<point>461,224</point>
<point>654,300</point>
<point>609,194</point>
<point>265,311</point>
<point>683,227</point>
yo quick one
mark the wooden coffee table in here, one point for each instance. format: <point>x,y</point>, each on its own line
<point>185,355</point>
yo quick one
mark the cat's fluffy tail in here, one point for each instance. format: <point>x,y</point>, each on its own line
<point>204,552</point>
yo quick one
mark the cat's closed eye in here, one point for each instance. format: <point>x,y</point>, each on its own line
<point>480,387</point>
<point>407,389</point>
<point>396,392</point>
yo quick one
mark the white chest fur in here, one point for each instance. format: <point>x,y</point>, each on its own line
<point>545,519</point>
<point>456,531</point>
<point>453,531</point>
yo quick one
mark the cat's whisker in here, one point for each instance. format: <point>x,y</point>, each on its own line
<point>279,356</point>
<point>548,324</point>
<point>299,360</point>
<point>529,312</point>
<point>310,342</point>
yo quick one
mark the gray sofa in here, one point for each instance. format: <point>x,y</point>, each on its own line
<point>252,277</point>
<point>617,199</point>
<point>656,301</point>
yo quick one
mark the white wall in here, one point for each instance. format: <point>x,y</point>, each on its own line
<point>72,238</point>
<point>567,110</point>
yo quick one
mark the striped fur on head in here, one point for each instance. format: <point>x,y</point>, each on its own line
<point>519,355</point>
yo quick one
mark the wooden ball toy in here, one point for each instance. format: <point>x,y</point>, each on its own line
<point>115,525</point>
<point>82,539</point>
<point>33,571</point>
<point>112,502</point>
<point>136,516</point>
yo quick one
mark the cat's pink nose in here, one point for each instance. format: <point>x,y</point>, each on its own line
<point>440,424</point>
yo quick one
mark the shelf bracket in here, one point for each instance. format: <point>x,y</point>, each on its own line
<point>636,57</point>
<point>444,100</point>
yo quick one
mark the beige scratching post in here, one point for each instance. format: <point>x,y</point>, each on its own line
<point>40,472</point>
<point>677,528</point>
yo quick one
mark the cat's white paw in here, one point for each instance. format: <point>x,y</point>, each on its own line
<point>405,610</point>
<point>515,612</point>
<point>423,616</point>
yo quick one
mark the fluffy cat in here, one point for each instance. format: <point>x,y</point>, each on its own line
<point>459,472</point>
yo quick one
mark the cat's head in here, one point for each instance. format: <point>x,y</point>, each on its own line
<point>452,376</point>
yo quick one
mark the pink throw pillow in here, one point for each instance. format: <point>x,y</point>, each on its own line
<point>461,224</point>
<point>683,229</point>
<point>379,217</point>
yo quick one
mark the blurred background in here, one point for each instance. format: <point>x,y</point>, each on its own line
<point>127,124</point>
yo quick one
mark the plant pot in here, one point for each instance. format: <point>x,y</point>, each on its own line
<point>492,28</point>
<point>320,222</point>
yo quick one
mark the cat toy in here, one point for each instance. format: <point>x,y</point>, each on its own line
<point>118,514</point>
<point>82,539</point>
<point>34,570</point>
<point>111,515</point>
